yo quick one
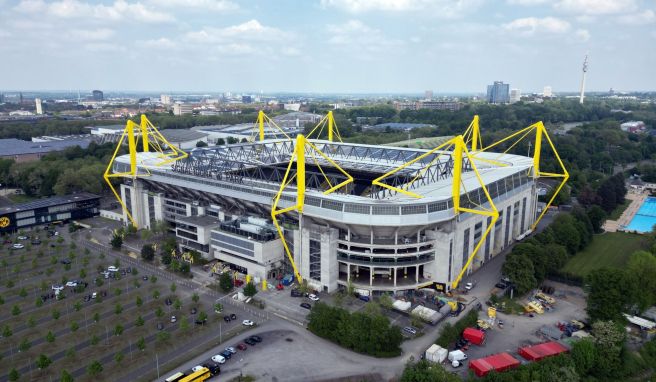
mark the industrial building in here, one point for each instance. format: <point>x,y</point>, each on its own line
<point>49,210</point>
<point>26,151</point>
<point>382,218</point>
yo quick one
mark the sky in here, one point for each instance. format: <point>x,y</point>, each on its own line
<point>327,46</point>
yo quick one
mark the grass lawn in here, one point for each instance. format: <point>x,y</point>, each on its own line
<point>615,214</point>
<point>20,198</point>
<point>607,250</point>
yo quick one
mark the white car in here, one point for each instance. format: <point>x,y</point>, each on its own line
<point>71,284</point>
<point>94,295</point>
<point>218,358</point>
<point>18,246</point>
<point>173,319</point>
<point>56,233</point>
<point>231,349</point>
<point>112,268</point>
<point>22,238</point>
<point>469,286</point>
<point>197,368</point>
<point>313,297</point>
<point>248,323</point>
<point>57,287</point>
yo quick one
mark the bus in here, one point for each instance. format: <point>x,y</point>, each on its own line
<point>175,377</point>
<point>198,376</point>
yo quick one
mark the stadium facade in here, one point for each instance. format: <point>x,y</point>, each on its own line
<point>219,199</point>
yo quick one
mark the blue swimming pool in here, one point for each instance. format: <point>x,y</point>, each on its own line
<point>645,218</point>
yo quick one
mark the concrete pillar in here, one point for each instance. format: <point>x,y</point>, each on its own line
<point>405,272</point>
<point>371,276</point>
<point>395,277</point>
<point>417,274</point>
<point>348,272</point>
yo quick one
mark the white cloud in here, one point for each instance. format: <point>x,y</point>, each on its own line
<point>640,18</point>
<point>360,37</point>
<point>439,8</point>
<point>596,7</point>
<point>160,43</point>
<point>251,30</point>
<point>90,35</point>
<point>527,2</point>
<point>104,47</point>
<point>69,9</point>
<point>204,5</point>
<point>582,35</point>
<point>533,25</point>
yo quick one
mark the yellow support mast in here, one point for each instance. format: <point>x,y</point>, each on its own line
<point>329,123</point>
<point>540,133</point>
<point>303,148</point>
<point>151,140</point>
<point>458,151</point>
<point>262,121</point>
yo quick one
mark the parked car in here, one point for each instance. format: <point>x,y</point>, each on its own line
<point>410,330</point>
<point>36,242</point>
<point>226,354</point>
<point>57,287</point>
<point>242,347</point>
<point>231,349</point>
<point>500,285</point>
<point>256,338</point>
<point>168,301</point>
<point>226,318</point>
<point>193,311</point>
<point>17,246</point>
<point>469,286</point>
<point>233,316</point>
<point>160,326</point>
<point>247,323</point>
<point>280,286</point>
<point>71,284</point>
<point>313,297</point>
<point>173,319</point>
<point>65,261</point>
<point>197,368</point>
<point>306,305</point>
<point>214,369</point>
<point>218,359</point>
<point>22,237</point>
<point>363,298</point>
<point>250,341</point>
<point>112,268</point>
<point>200,322</point>
<point>296,293</point>
<point>145,278</point>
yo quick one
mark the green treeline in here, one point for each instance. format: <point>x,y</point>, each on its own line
<point>72,170</point>
<point>364,333</point>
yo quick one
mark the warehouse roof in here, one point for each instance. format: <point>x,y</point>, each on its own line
<point>182,135</point>
<point>12,146</point>
<point>49,202</point>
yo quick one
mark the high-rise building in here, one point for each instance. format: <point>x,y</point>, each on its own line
<point>97,95</point>
<point>546,92</point>
<point>21,98</point>
<point>246,99</point>
<point>2,98</point>
<point>182,108</point>
<point>515,95</point>
<point>165,99</point>
<point>428,95</point>
<point>39,107</point>
<point>498,92</point>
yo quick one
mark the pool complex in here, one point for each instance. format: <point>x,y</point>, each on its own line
<point>645,218</point>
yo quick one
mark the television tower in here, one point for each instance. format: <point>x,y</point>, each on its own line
<point>585,70</point>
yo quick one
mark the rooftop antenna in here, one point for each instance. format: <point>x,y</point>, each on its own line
<point>585,70</point>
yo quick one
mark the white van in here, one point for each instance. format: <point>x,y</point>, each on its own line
<point>457,355</point>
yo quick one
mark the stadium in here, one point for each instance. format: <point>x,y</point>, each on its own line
<point>377,218</point>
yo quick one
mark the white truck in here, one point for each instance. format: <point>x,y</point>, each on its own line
<point>456,357</point>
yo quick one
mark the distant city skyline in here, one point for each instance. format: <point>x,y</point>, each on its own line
<point>327,46</point>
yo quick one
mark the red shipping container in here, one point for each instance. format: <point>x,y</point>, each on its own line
<point>475,336</point>
<point>541,351</point>
<point>498,362</point>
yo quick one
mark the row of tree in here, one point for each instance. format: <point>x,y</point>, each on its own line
<point>364,333</point>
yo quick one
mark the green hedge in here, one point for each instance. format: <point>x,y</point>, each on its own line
<point>451,333</point>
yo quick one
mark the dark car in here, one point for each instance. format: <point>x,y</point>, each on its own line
<point>233,316</point>
<point>306,305</point>
<point>256,338</point>
<point>226,354</point>
<point>214,369</point>
<point>36,242</point>
<point>129,270</point>
<point>160,326</point>
<point>168,301</point>
<point>65,261</point>
<point>242,347</point>
<point>194,310</point>
<point>226,318</point>
<point>250,341</point>
<point>145,278</point>
<point>296,293</point>
<point>200,322</point>
<point>500,285</point>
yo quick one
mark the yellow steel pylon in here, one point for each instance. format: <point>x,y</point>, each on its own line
<point>326,122</point>
<point>303,147</point>
<point>458,151</point>
<point>540,133</point>
<point>152,141</point>
<point>262,120</point>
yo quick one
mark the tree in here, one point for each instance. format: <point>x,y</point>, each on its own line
<point>609,340</point>
<point>159,312</point>
<point>597,217</point>
<point>94,368</point>
<point>225,282</point>
<point>118,330</point>
<point>642,270</point>
<point>584,355</point>
<point>66,377</point>
<point>94,340</point>
<point>14,375</point>
<point>202,316</point>
<point>250,290</point>
<point>118,357</point>
<point>50,337</point>
<point>56,314</point>
<point>155,294</point>
<point>43,361</point>
<point>118,309</point>
<point>163,336</point>
<point>519,268</point>
<point>74,326</point>
<point>173,287</point>
<point>116,241</point>
<point>424,371</point>
<point>141,344</point>
<point>139,301</point>
<point>15,310</point>
<point>140,321</point>
<point>77,306</point>
<point>201,144</point>
<point>148,252</point>
<point>7,332</point>
<point>96,317</point>
<point>610,292</point>
<point>177,304</point>
<point>24,345</point>
<point>195,297</point>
